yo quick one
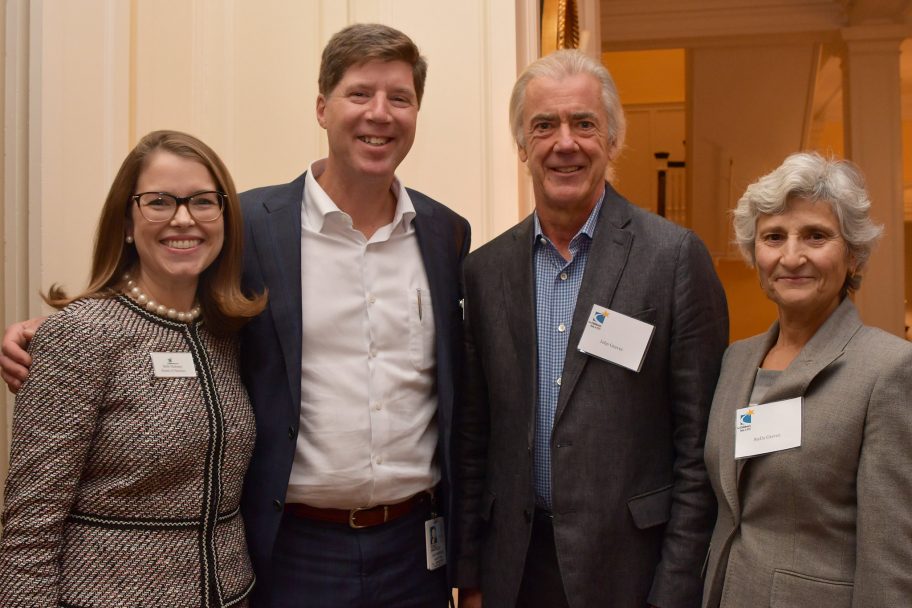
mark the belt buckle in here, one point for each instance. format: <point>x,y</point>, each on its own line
<point>352,514</point>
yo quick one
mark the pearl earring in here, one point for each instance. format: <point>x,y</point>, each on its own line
<point>129,240</point>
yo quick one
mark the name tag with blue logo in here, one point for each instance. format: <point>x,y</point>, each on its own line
<point>616,338</point>
<point>769,427</point>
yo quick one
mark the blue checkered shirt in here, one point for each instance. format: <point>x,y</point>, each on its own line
<point>557,283</point>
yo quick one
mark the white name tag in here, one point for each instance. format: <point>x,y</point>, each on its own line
<point>435,543</point>
<point>770,427</point>
<point>173,365</point>
<point>616,338</point>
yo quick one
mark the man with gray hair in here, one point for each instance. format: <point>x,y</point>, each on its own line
<point>594,336</point>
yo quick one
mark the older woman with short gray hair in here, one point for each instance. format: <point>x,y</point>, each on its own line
<point>808,175</point>
<point>808,440</point>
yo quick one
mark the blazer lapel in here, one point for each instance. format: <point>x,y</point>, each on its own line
<point>611,245</point>
<point>733,393</point>
<point>282,270</point>
<point>822,349</point>
<point>432,245</point>
<point>438,255</point>
<point>519,298</point>
<point>825,347</point>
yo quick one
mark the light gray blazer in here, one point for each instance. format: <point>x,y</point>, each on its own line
<point>828,523</point>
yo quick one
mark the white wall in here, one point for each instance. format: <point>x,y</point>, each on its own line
<point>4,414</point>
<point>747,107</point>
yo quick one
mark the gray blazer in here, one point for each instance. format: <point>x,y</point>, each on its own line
<point>828,523</point>
<point>633,509</point>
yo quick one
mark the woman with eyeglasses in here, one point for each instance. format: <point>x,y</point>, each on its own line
<point>132,433</point>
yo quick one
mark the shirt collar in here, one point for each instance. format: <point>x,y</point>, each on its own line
<point>318,207</point>
<point>588,228</point>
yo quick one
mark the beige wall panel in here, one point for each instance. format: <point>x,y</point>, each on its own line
<point>874,141</point>
<point>277,58</point>
<point>164,94</point>
<point>747,108</point>
<point>635,169</point>
<point>5,412</point>
<point>65,115</point>
<point>78,133</point>
<point>447,160</point>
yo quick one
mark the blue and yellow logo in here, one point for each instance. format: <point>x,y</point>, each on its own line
<point>598,317</point>
<point>745,419</point>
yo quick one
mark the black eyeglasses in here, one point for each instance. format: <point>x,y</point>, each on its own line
<point>162,206</point>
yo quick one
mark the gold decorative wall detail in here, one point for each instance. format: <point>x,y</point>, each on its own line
<point>559,25</point>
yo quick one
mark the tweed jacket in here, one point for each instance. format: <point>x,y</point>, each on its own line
<point>632,506</point>
<point>827,523</point>
<point>124,487</point>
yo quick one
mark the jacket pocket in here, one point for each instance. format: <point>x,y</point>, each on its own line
<point>651,508</point>
<point>796,590</point>
<point>421,329</point>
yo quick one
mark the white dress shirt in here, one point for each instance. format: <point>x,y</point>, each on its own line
<point>368,431</point>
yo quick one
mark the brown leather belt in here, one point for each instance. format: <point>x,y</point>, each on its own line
<point>361,517</point>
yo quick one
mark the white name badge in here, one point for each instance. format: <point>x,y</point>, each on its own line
<point>173,365</point>
<point>435,543</point>
<point>616,338</point>
<point>770,427</point>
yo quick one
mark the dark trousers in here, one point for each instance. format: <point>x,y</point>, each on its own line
<point>328,565</point>
<point>541,585</point>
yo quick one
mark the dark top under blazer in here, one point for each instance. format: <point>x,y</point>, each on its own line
<point>633,509</point>
<point>271,344</point>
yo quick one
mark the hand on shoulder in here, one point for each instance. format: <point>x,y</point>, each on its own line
<point>14,359</point>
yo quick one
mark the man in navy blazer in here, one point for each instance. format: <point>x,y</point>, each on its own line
<point>352,451</point>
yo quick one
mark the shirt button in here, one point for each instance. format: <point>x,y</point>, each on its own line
<point>379,460</point>
<point>371,298</point>
<point>373,352</point>
<point>563,276</point>
<point>562,328</point>
<point>558,381</point>
<point>378,406</point>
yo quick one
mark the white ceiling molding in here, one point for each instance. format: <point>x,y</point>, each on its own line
<point>878,11</point>
<point>655,21</point>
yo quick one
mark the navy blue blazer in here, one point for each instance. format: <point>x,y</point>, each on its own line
<point>271,344</point>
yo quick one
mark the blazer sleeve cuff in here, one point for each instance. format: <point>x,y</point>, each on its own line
<point>675,591</point>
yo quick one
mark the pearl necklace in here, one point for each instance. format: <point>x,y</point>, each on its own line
<point>152,306</point>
